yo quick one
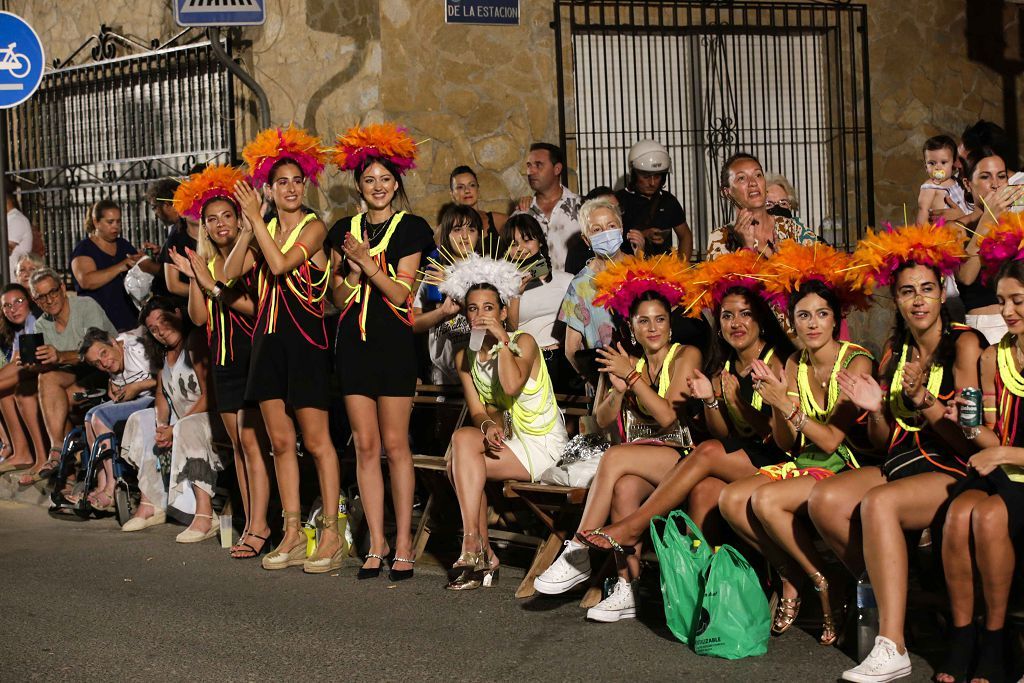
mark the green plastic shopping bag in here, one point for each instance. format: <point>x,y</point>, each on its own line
<point>734,618</point>
<point>683,555</point>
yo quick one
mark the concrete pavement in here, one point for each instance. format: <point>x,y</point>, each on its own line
<point>86,602</point>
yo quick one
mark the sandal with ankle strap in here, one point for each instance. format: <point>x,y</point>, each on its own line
<point>249,551</point>
<point>786,612</point>
<point>829,634</point>
<point>190,535</point>
<point>295,556</point>
<point>321,565</point>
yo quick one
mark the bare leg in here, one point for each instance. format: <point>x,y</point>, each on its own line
<point>281,431</point>
<point>781,509</point>
<point>393,415</point>
<point>996,558</point>
<point>204,506</point>
<point>737,510</point>
<point>28,407</point>
<point>251,437</point>
<point>316,439</point>
<point>54,403</point>
<point>630,491</point>
<point>702,506</point>
<point>650,463</point>
<point>362,416</point>
<point>834,507</point>
<point>471,467</point>
<point>886,512</point>
<point>957,556</point>
<point>709,459</point>
<point>17,450</point>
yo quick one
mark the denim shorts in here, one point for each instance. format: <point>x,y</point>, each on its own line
<point>114,414</point>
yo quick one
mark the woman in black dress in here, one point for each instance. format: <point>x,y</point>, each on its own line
<point>375,257</point>
<point>290,367</point>
<point>227,307</point>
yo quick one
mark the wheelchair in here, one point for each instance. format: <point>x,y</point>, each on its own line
<point>77,458</point>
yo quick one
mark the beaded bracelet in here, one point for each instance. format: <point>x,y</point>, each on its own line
<point>799,427</point>
<point>632,378</point>
<point>789,418</point>
<point>712,404</point>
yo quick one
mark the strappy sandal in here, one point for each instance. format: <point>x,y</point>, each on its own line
<point>96,501</point>
<point>373,572</point>
<point>785,613</point>
<point>829,634</point>
<point>48,469</point>
<point>249,551</point>
<point>616,547</point>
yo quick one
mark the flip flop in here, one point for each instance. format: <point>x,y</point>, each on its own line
<point>14,467</point>
<point>616,547</point>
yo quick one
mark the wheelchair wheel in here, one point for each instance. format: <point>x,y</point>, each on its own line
<point>123,503</point>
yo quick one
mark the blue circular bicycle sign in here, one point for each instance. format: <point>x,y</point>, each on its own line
<point>21,60</point>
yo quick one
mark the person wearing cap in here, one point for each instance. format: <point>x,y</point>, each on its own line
<point>648,207</point>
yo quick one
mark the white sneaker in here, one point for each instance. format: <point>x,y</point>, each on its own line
<point>620,604</point>
<point>570,569</point>
<point>885,663</point>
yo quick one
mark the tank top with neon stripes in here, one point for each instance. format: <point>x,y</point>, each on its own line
<point>1009,403</point>
<point>229,332</point>
<point>293,300</point>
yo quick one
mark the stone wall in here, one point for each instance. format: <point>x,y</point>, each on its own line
<point>480,94</point>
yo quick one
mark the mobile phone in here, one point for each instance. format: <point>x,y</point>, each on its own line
<point>27,345</point>
<point>540,269</point>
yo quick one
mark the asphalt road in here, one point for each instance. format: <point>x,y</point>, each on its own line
<point>85,602</point>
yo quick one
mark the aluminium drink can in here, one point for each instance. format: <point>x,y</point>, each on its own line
<point>970,408</point>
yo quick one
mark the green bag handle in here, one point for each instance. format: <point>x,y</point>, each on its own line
<point>692,530</point>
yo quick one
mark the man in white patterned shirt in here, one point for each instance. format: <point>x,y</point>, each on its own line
<point>555,206</point>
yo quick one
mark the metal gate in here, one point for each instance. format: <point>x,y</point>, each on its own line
<point>106,128</point>
<point>785,81</point>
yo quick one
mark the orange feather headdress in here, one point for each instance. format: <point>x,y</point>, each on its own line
<point>377,140</point>
<point>880,254</point>
<point>216,181</point>
<point>274,144</point>
<point>708,282</point>
<point>621,282</point>
<point>794,264</point>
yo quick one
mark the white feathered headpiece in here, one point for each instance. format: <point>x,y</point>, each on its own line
<point>504,275</point>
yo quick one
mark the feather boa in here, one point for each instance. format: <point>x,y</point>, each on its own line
<point>621,282</point>
<point>274,144</point>
<point>216,181</point>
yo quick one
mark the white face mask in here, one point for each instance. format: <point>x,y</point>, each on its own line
<point>606,243</point>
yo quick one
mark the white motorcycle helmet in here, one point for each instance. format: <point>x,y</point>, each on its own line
<point>649,156</point>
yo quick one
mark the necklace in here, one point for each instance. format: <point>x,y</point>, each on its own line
<point>828,369</point>
<point>1020,354</point>
<point>757,354</point>
<point>376,229</point>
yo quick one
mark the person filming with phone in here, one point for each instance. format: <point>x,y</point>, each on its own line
<point>542,291</point>
<point>62,373</point>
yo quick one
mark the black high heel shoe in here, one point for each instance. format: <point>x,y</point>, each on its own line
<point>373,572</point>
<point>400,574</point>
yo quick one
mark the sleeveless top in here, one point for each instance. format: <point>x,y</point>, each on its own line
<point>809,455</point>
<point>533,412</point>
<point>912,433</point>
<point>180,385</point>
<point>228,332</point>
<point>365,293</point>
<point>664,379</point>
<point>1009,406</point>
<point>296,296</point>
<point>748,396</point>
